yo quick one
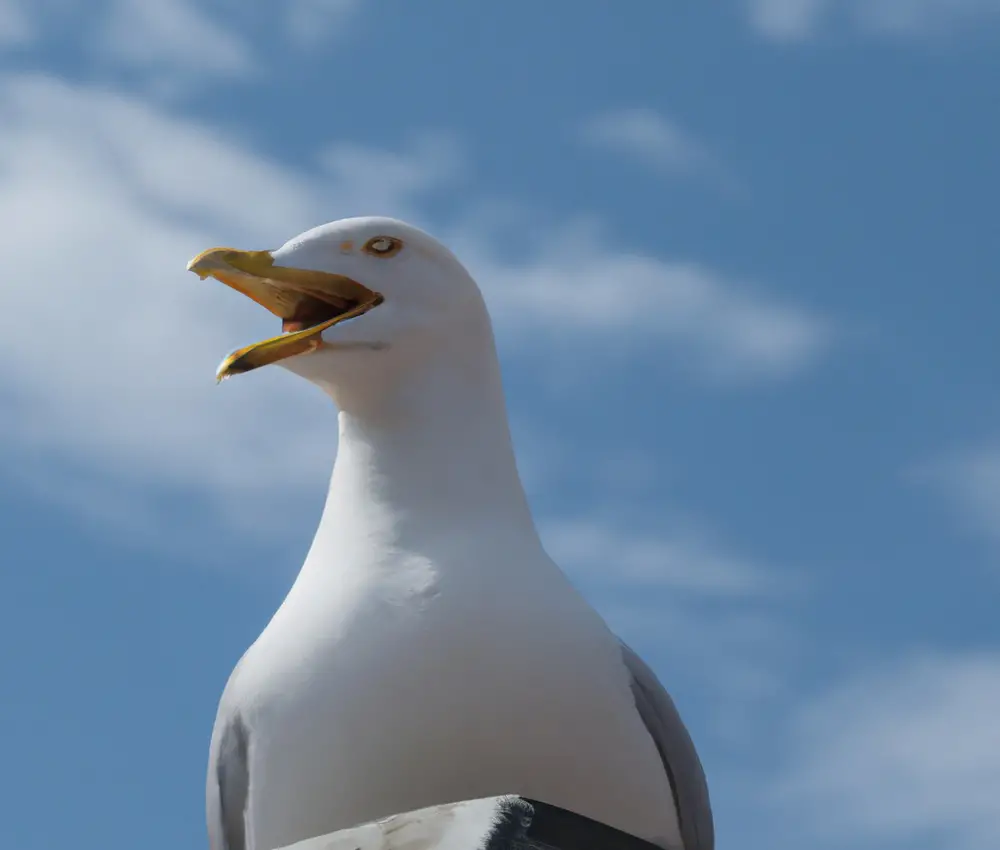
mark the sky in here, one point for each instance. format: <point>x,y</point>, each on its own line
<point>741,258</point>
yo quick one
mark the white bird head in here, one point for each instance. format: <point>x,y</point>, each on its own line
<point>360,299</point>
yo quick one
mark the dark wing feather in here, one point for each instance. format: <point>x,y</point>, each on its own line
<point>677,751</point>
<point>228,786</point>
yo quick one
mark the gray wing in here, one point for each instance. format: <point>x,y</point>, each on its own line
<point>680,759</point>
<point>228,784</point>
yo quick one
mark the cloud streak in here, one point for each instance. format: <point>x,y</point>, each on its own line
<point>311,22</point>
<point>718,329</point>
<point>171,44</point>
<point>906,20</point>
<point>787,20</point>
<point>901,754</point>
<point>676,562</point>
<point>178,37</point>
<point>650,138</point>
<point>15,25</point>
<point>970,480</point>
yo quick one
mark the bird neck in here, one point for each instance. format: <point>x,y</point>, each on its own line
<point>434,452</point>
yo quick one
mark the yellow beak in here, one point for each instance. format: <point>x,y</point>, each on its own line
<point>307,301</point>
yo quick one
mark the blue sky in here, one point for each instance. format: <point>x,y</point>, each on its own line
<point>742,262</point>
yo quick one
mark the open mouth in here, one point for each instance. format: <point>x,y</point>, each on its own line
<point>307,302</point>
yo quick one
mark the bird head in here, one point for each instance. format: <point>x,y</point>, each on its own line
<point>353,295</point>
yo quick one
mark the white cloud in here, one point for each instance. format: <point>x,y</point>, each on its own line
<point>175,36</point>
<point>924,18</point>
<point>432,159</point>
<point>107,345</point>
<point>718,328</point>
<point>797,20</point>
<point>680,562</point>
<point>902,754</point>
<point>173,43</point>
<point>646,135</point>
<point>15,25</point>
<point>787,20</point>
<point>971,481</point>
<point>312,22</point>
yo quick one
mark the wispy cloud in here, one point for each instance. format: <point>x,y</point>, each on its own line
<point>312,22</point>
<point>925,18</point>
<point>798,20</point>
<point>681,562</point>
<point>723,329</point>
<point>970,479</point>
<point>171,36</point>
<point>431,161</point>
<point>171,44</point>
<point>15,25</point>
<point>166,42</point>
<point>647,136</point>
<point>787,20</point>
<point>901,754</point>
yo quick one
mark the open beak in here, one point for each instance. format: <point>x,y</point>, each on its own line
<point>308,302</point>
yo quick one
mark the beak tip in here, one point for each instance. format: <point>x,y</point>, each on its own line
<point>207,262</point>
<point>197,266</point>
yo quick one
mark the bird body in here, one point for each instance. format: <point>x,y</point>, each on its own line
<point>429,650</point>
<point>387,708</point>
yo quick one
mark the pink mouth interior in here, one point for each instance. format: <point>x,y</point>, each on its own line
<point>313,311</point>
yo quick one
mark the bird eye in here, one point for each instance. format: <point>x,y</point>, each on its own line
<point>383,246</point>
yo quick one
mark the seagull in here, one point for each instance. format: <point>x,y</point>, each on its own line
<point>429,650</point>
